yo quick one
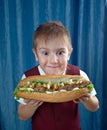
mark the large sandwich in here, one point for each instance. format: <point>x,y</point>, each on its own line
<point>56,88</point>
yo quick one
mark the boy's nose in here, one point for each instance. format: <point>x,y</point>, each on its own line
<point>53,59</point>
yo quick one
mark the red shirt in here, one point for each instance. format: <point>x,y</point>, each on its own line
<point>56,116</point>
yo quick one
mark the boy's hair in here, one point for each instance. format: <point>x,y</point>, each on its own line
<point>52,31</point>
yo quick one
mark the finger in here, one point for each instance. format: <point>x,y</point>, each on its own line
<point>37,104</point>
<point>83,99</point>
<point>40,103</point>
<point>76,101</point>
<point>27,100</point>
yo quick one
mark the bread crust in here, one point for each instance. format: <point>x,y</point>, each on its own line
<point>54,97</point>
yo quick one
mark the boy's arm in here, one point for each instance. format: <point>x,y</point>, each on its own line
<point>26,111</point>
<point>90,102</point>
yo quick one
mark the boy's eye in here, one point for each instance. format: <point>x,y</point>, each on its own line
<point>60,52</point>
<point>45,53</point>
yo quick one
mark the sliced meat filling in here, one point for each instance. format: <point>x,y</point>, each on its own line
<point>49,86</point>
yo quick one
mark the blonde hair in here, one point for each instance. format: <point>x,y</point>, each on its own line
<point>52,31</point>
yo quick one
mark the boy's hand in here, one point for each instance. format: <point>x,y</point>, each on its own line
<point>26,111</point>
<point>33,104</point>
<point>82,99</point>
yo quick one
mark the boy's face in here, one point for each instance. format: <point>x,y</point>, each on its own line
<point>52,57</point>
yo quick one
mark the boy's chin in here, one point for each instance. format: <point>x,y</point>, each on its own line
<point>55,73</point>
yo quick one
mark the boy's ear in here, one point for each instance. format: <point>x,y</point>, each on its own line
<point>69,53</point>
<point>35,54</point>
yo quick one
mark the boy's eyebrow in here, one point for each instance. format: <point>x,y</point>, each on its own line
<point>42,48</point>
<point>48,48</point>
<point>60,49</point>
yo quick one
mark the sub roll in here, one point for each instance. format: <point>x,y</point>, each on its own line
<point>53,88</point>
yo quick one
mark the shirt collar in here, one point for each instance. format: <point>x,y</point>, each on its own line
<point>41,70</point>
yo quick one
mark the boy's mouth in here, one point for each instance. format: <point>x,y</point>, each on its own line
<point>53,67</point>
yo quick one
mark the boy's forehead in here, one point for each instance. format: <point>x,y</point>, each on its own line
<point>54,40</point>
<point>52,43</point>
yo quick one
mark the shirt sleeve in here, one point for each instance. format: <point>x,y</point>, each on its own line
<point>82,73</point>
<point>23,76</point>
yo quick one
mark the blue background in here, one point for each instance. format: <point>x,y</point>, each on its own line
<point>86,20</point>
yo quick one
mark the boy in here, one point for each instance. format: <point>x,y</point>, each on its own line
<point>52,49</point>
